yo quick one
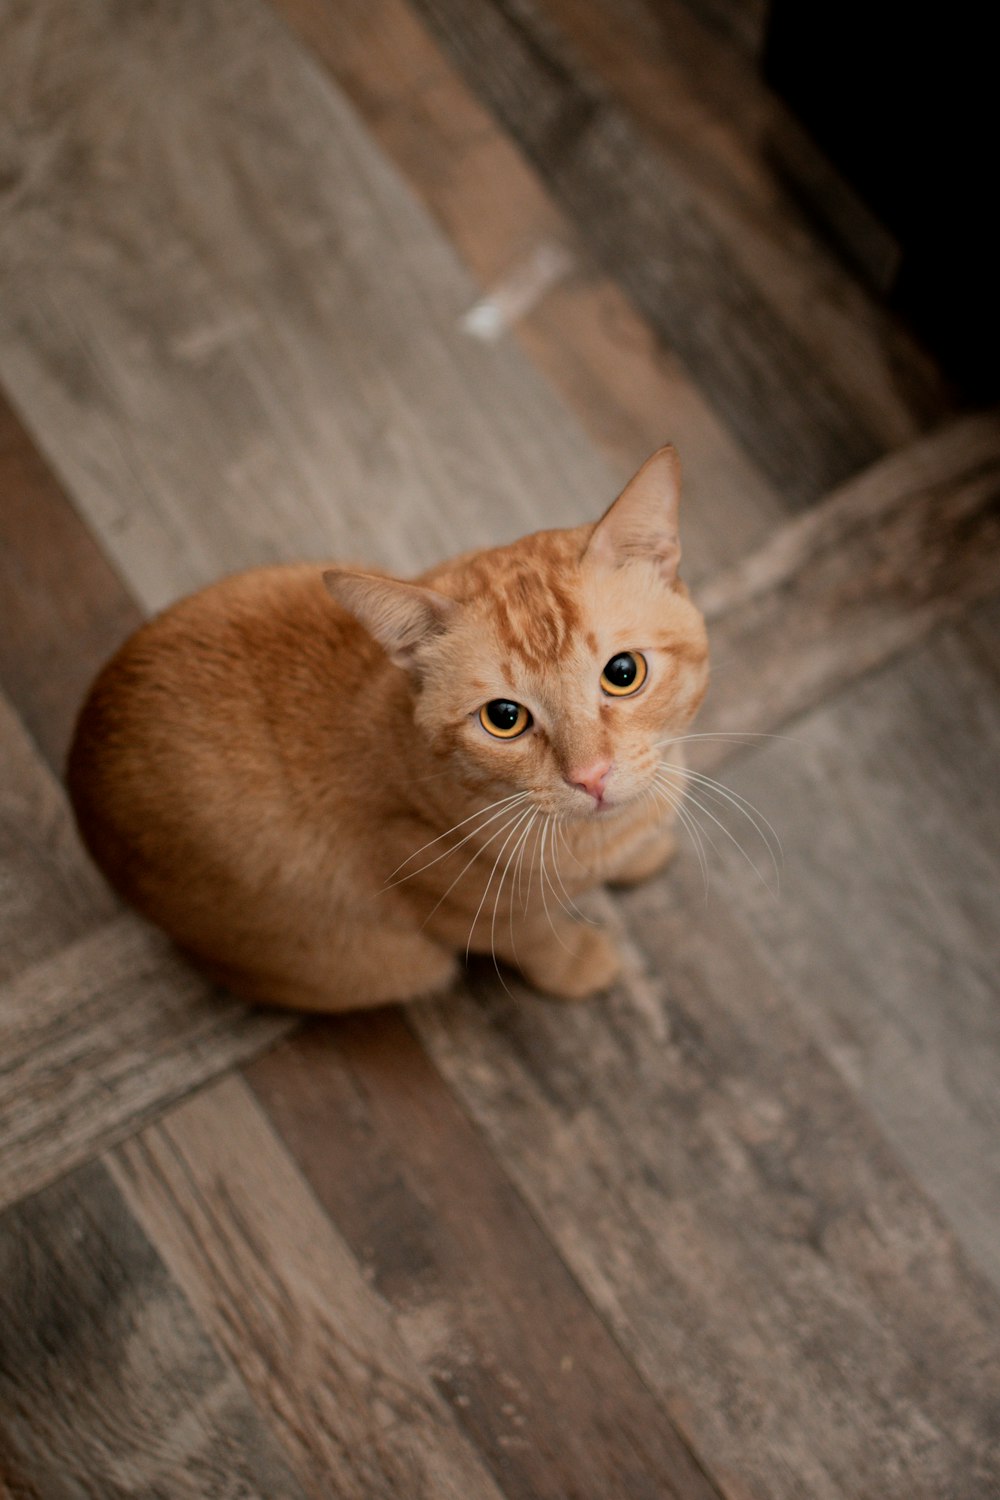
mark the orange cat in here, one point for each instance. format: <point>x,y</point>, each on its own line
<point>327,803</point>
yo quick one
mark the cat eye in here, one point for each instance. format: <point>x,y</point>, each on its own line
<point>624,674</point>
<point>504,720</point>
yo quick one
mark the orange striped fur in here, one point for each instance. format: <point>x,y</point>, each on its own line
<point>301,791</point>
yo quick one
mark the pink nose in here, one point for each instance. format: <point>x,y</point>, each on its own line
<point>592,779</point>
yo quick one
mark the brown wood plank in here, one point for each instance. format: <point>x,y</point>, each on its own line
<point>63,610</point>
<point>805,1315</point>
<point>584,334</point>
<point>108,1386</point>
<point>912,542</point>
<point>719,128</point>
<point>886,932</point>
<point>283,1297</point>
<point>741,22</point>
<point>530,1372</point>
<point>50,894</point>
<point>644,223</point>
<point>102,1036</point>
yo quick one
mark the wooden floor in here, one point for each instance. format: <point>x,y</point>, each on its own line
<point>384,279</point>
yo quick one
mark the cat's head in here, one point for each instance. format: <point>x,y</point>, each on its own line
<point>558,665</point>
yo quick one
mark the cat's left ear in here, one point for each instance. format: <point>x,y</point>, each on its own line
<point>401,616</point>
<point>643,521</point>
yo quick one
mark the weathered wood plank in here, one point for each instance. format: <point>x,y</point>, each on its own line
<point>62,609</point>
<point>912,542</point>
<point>742,22</point>
<point>102,1036</point>
<point>281,1294</point>
<point>803,1313</point>
<point>886,933</point>
<point>643,221</point>
<point>719,128</point>
<point>108,1386</point>
<point>50,894</point>
<point>530,1371</point>
<point>584,334</point>
<point>249,346</point>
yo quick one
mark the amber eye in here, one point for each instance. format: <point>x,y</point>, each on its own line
<point>624,674</point>
<point>504,720</point>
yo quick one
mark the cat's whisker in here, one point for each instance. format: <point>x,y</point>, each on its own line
<point>546,828</point>
<point>468,866</point>
<point>516,852</point>
<point>750,812</point>
<point>571,909</point>
<point>520,867</point>
<point>504,804</point>
<point>691,798</point>
<point>519,819</point>
<point>690,827</point>
<point>728,737</point>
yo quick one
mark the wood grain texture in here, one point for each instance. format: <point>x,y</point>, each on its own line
<point>100,1037</point>
<point>719,130</point>
<point>248,346</point>
<point>108,1386</point>
<point>629,392</point>
<point>484,1303</point>
<point>804,1314</point>
<point>886,932</point>
<point>644,222</point>
<point>912,542</point>
<point>282,1295</point>
<point>50,894</point>
<point>62,608</point>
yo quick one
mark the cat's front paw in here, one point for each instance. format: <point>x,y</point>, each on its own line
<point>583,961</point>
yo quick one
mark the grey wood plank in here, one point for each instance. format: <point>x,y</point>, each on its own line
<point>108,1386</point>
<point>805,1314</point>
<point>50,893</point>
<point>281,1293</point>
<point>886,932</point>
<point>231,329</point>
<point>99,1038</point>
<point>644,223</point>
<point>910,543</point>
<point>584,334</point>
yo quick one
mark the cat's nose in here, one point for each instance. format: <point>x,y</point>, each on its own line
<point>592,779</point>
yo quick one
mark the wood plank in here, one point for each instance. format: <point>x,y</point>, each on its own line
<point>101,1021</point>
<point>803,1313</point>
<point>584,334</point>
<point>249,347</point>
<point>912,542</point>
<point>720,130</point>
<point>50,894</point>
<point>108,1386</point>
<point>643,222</point>
<point>887,929</point>
<point>484,1303</point>
<point>101,1037</point>
<point>742,22</point>
<point>284,1298</point>
<point>62,608</point>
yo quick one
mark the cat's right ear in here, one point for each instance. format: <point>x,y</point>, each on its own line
<point>643,521</point>
<point>399,615</point>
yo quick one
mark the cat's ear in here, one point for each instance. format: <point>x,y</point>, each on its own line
<point>643,521</point>
<point>399,615</point>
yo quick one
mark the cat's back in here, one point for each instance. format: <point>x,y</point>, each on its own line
<point>219,714</point>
